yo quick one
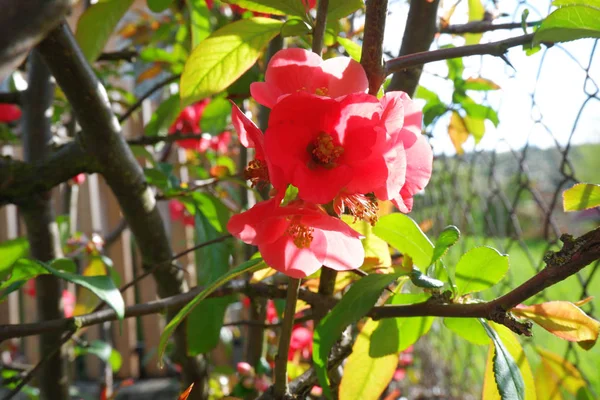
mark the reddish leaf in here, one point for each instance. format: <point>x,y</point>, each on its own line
<point>186,393</point>
<point>563,319</point>
<point>150,73</point>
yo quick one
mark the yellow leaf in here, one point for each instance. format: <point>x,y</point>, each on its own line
<point>562,319</point>
<point>262,274</point>
<point>561,372</point>
<point>458,131</point>
<point>510,341</point>
<point>546,387</point>
<point>376,249</point>
<point>584,301</point>
<point>476,13</point>
<point>365,378</point>
<point>581,197</point>
<point>150,73</point>
<point>86,300</point>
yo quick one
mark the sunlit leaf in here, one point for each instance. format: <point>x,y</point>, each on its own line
<point>507,375</point>
<point>10,252</point>
<point>86,301</point>
<point>341,8</point>
<point>158,5</point>
<point>404,234</point>
<point>581,197</point>
<point>480,84</point>
<point>476,13</point>
<point>248,266</point>
<point>479,269</point>
<point>377,253</point>
<point>446,239</point>
<point>295,27</point>
<point>569,23</point>
<point>274,7</point>
<point>511,343</point>
<point>215,116</point>
<point>103,351</point>
<point>475,126</point>
<point>163,117</point>
<point>469,329</point>
<point>366,377</point>
<point>96,25</point>
<point>353,49</point>
<point>199,21</point>
<point>563,319</point>
<point>354,305</point>
<point>561,373</point>
<point>224,56</point>
<point>458,132</point>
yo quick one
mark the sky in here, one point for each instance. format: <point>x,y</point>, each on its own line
<point>558,91</point>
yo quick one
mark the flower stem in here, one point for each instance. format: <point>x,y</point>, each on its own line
<point>319,29</point>
<point>281,379</point>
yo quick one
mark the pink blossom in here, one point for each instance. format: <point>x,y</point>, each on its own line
<point>179,213</point>
<point>301,342</point>
<point>298,70</point>
<point>299,238</point>
<point>188,122</point>
<point>9,113</point>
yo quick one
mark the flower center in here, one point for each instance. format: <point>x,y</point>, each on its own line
<point>324,152</point>
<point>322,91</point>
<point>358,205</point>
<point>257,172</point>
<point>301,234</point>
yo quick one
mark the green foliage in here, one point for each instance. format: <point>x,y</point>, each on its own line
<point>353,49</point>
<point>163,117</point>
<point>199,21</point>
<point>574,19</point>
<point>342,8</point>
<point>220,59</point>
<point>215,117</point>
<point>274,7</point>
<point>247,267</point>
<point>469,329</point>
<point>421,280</point>
<point>295,27</point>
<point>506,372</point>
<point>96,25</point>
<point>447,238</point>
<point>479,269</point>
<point>103,351</point>
<point>582,196</point>
<point>354,305</point>
<point>158,5</point>
<point>404,234</point>
<point>10,252</point>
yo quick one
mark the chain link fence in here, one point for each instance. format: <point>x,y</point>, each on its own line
<point>506,191</point>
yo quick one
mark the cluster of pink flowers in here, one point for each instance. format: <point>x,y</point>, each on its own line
<point>342,148</point>
<point>188,122</point>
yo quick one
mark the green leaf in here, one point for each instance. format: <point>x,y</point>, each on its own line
<point>479,84</point>
<point>158,5</point>
<point>295,27</point>
<point>204,324</point>
<point>10,252</point>
<point>421,280</point>
<point>377,252</point>
<point>589,3</point>
<point>506,372</point>
<point>569,23</point>
<point>215,116</point>
<point>249,266</point>
<point>103,351</point>
<point>469,329</point>
<point>163,117</point>
<point>481,112</point>
<point>479,269</point>
<point>101,286</point>
<point>433,110</point>
<point>274,7</point>
<point>447,238</point>
<point>354,305</point>
<point>353,49</point>
<point>96,25</point>
<point>199,21</point>
<point>366,377</point>
<point>339,9</point>
<point>427,95</point>
<point>582,196</point>
<point>21,271</point>
<point>476,13</point>
<point>475,126</point>
<point>156,54</point>
<point>455,67</point>
<point>224,56</point>
<point>402,233</point>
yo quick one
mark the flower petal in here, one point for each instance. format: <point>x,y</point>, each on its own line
<point>284,256</point>
<point>345,76</point>
<point>320,185</point>
<point>249,134</point>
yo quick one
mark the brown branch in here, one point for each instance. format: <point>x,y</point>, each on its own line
<point>319,29</point>
<point>497,49</point>
<point>372,49</point>
<point>483,26</point>
<point>174,137</point>
<point>418,36</point>
<point>11,97</point>
<point>281,389</point>
<point>129,55</point>
<point>572,258</point>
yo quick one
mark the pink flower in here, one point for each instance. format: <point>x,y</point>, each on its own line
<point>299,70</point>
<point>301,342</point>
<point>297,239</point>
<point>325,146</point>
<point>179,213</point>
<point>188,122</point>
<point>9,113</point>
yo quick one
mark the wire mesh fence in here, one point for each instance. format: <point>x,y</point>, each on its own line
<point>506,191</point>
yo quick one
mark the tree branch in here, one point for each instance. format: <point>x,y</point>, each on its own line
<point>319,29</point>
<point>101,138</point>
<point>11,97</point>
<point>281,377</point>
<point>24,182</point>
<point>418,36</point>
<point>129,55</point>
<point>174,137</point>
<point>372,49</point>
<point>483,26</point>
<point>497,49</point>
<point>150,92</point>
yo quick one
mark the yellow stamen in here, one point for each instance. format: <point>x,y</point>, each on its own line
<point>257,172</point>
<point>301,234</point>
<point>324,152</point>
<point>322,91</point>
<point>359,206</point>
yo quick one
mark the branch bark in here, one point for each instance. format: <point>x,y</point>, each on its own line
<point>42,231</point>
<point>418,36</point>
<point>497,49</point>
<point>101,139</point>
<point>372,49</point>
<point>483,26</point>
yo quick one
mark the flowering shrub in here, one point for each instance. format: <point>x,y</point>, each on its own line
<point>341,148</point>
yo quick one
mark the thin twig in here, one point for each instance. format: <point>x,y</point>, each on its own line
<point>174,137</point>
<point>483,26</point>
<point>129,55</point>
<point>11,97</point>
<point>281,377</point>
<point>495,49</point>
<point>372,49</point>
<point>319,29</point>
<point>150,92</point>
